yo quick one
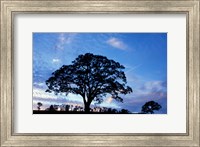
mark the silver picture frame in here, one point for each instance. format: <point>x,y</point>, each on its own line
<point>11,7</point>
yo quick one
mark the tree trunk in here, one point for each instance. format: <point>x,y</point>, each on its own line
<point>87,107</point>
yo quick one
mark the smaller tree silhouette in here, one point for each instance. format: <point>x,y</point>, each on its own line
<point>39,105</point>
<point>114,111</point>
<point>67,108</point>
<point>150,107</point>
<point>124,111</point>
<point>51,108</point>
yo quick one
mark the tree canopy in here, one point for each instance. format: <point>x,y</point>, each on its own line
<point>39,105</point>
<point>92,77</point>
<point>150,106</point>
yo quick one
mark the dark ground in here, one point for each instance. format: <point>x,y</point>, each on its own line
<point>73,112</point>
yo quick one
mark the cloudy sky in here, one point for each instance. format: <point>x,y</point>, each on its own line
<point>144,56</point>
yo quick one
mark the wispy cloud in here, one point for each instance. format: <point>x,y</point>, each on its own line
<point>116,43</point>
<point>64,39</point>
<point>56,60</point>
<point>131,68</point>
<point>154,86</point>
<point>39,85</point>
<point>40,93</point>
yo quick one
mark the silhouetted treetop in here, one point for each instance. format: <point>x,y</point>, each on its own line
<point>39,105</point>
<point>92,77</point>
<point>150,106</point>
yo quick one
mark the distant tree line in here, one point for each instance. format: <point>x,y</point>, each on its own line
<point>147,108</point>
<point>73,108</point>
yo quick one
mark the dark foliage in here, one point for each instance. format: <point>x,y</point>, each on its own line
<point>67,108</point>
<point>92,77</point>
<point>39,105</point>
<point>124,111</point>
<point>51,108</point>
<point>150,107</point>
<point>79,110</point>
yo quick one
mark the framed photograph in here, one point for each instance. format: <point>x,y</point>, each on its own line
<point>100,80</point>
<point>100,73</point>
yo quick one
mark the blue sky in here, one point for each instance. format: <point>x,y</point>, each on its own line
<point>144,56</point>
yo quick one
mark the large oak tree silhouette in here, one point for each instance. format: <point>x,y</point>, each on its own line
<point>92,77</point>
